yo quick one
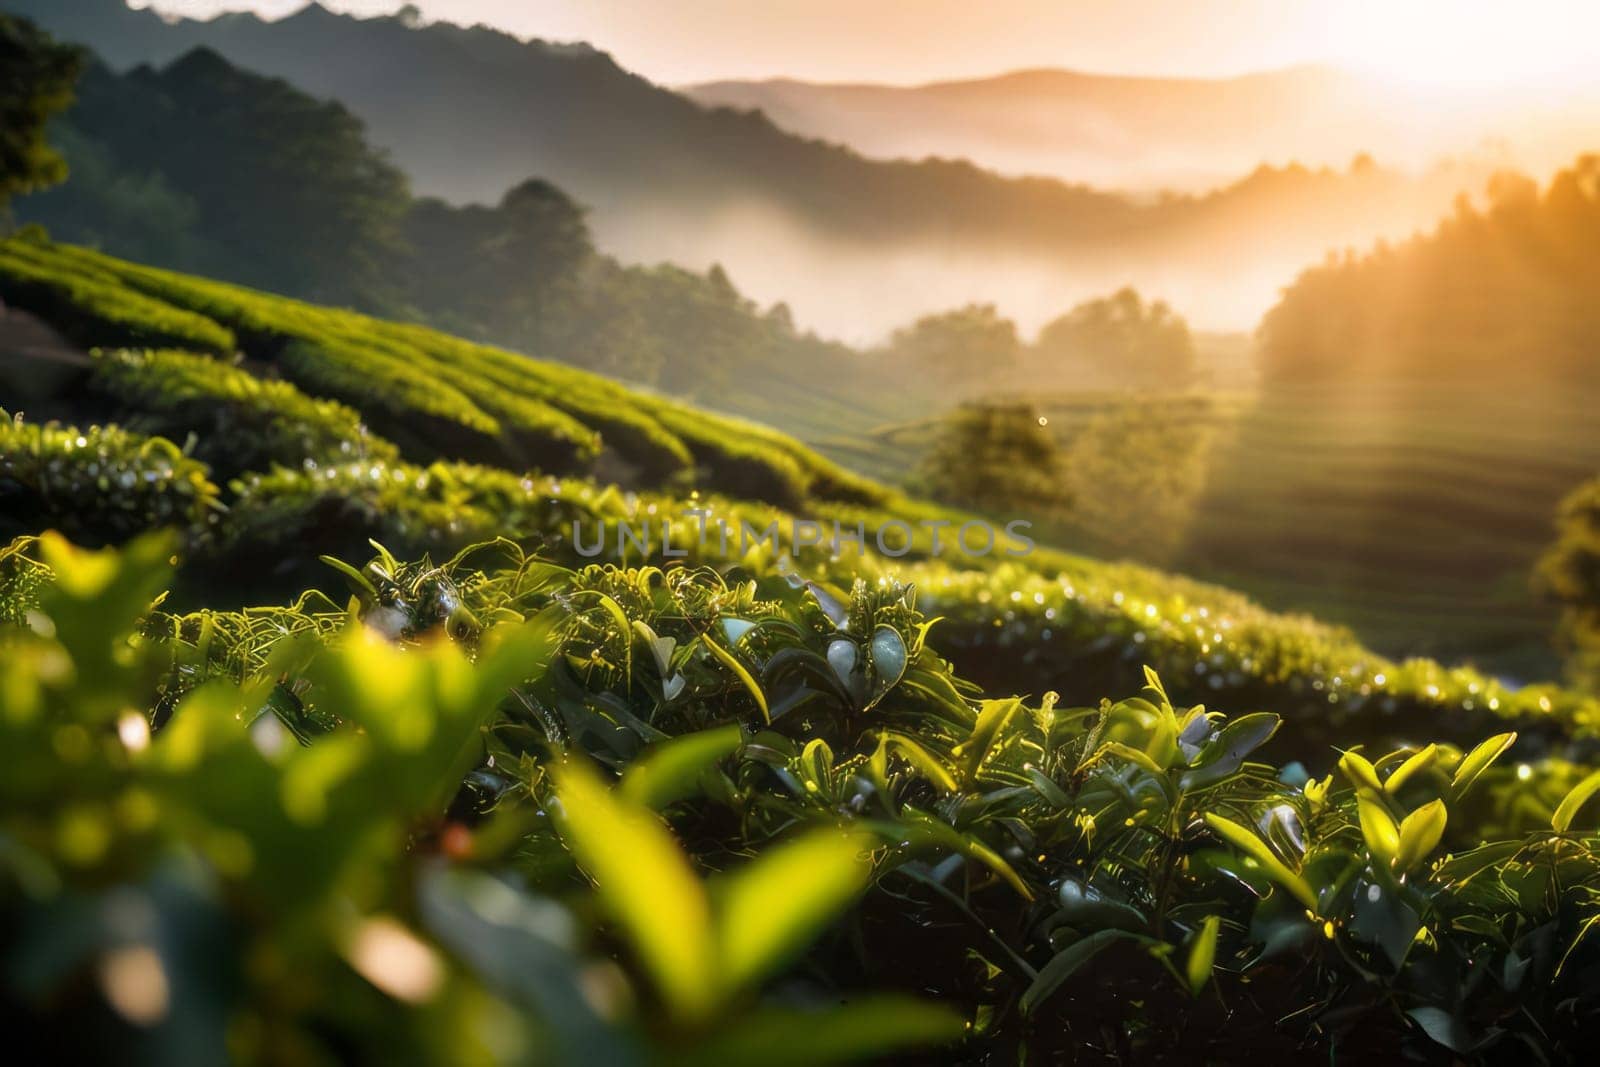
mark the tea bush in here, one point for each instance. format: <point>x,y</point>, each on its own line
<point>443,398</point>
<point>100,485</point>
<point>639,439</point>
<point>749,822</point>
<point>331,879</point>
<point>1048,621</point>
<point>241,422</point>
<point>93,310</point>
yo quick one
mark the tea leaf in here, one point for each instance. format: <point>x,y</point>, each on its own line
<point>1567,810</point>
<point>774,905</point>
<point>647,886</point>
<point>1203,954</point>
<point>1247,842</point>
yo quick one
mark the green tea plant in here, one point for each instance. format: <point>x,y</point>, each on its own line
<point>240,422</point>
<point>1103,621</point>
<point>145,860</point>
<point>415,385</point>
<point>99,310</point>
<point>1046,622</point>
<point>1138,834</point>
<point>392,391</point>
<point>639,439</point>
<point>493,775</point>
<point>102,484</point>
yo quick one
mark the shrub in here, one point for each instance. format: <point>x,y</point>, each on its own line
<point>92,310</point>
<point>736,465</point>
<point>280,521</point>
<point>101,485</point>
<point>381,387</point>
<point>208,884</point>
<point>1569,574</point>
<point>995,457</point>
<point>594,401</point>
<point>242,422</point>
<point>700,789</point>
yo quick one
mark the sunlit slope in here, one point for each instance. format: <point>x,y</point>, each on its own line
<point>1412,513</point>
<point>435,395</point>
<point>322,429</point>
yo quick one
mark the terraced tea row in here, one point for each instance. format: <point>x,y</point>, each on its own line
<point>434,395</point>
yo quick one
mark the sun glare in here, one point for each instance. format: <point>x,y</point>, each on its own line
<point>1465,45</point>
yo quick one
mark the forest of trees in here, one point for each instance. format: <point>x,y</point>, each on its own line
<point>36,78</point>
<point>969,345</point>
<point>160,158</point>
<point>1119,341</point>
<point>1504,292</point>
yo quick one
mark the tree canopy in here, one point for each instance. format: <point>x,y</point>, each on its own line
<point>1502,293</point>
<point>191,142</point>
<point>959,346</point>
<point>36,80</point>
<point>995,457</point>
<point>1120,340</point>
<point>1570,575</point>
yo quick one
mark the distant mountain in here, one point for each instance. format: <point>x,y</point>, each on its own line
<point>856,246</point>
<point>1186,133</point>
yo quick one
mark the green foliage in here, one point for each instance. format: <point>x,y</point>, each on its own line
<point>522,273</point>
<point>995,458</point>
<point>1119,340</point>
<point>393,392</point>
<point>969,344</point>
<point>292,515</point>
<point>1569,573</point>
<point>500,273</point>
<point>217,136</point>
<point>333,875</point>
<point>21,578</point>
<point>241,422</point>
<point>426,832</point>
<point>100,485</point>
<point>637,438</point>
<point>37,84</point>
<point>1099,620</point>
<point>440,397</point>
<point>100,205</point>
<point>94,309</point>
<point>1047,622</point>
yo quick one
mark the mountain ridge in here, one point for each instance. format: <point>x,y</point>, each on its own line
<point>856,245</point>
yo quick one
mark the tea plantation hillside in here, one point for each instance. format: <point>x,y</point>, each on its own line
<point>1413,516</point>
<point>394,728</point>
<point>311,430</point>
<point>433,394</point>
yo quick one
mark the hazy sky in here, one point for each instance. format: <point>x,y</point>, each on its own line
<point>1452,42</point>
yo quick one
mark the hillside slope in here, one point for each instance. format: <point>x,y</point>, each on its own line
<point>1387,509</point>
<point>435,395</point>
<point>343,428</point>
